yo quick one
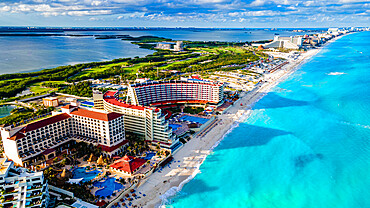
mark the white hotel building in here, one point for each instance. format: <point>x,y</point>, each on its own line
<point>175,91</point>
<point>140,115</point>
<point>73,123</point>
<point>145,121</point>
<point>21,188</point>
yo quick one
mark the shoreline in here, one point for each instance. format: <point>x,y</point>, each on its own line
<point>160,186</point>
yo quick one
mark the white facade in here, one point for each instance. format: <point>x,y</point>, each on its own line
<point>175,91</point>
<point>103,129</point>
<point>21,188</point>
<point>283,42</point>
<point>145,121</point>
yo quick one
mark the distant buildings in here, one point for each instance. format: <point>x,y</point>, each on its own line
<point>21,188</point>
<point>293,42</point>
<point>50,101</point>
<point>24,143</point>
<point>178,46</point>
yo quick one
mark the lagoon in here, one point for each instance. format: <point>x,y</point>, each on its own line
<point>28,53</point>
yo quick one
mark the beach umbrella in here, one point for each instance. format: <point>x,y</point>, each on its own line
<point>63,175</point>
<point>90,159</point>
<point>100,160</point>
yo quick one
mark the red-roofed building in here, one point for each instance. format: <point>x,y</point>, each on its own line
<point>73,124</point>
<point>128,165</point>
<point>146,121</point>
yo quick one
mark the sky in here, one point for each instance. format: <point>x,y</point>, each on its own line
<point>186,13</point>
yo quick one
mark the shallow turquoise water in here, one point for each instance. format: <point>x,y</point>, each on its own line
<point>305,145</point>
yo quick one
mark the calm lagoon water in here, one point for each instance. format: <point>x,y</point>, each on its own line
<point>306,145</point>
<point>26,53</point>
<point>5,110</point>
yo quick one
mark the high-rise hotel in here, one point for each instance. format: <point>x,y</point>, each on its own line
<point>143,118</point>
<point>145,121</point>
<point>156,93</point>
<point>21,188</point>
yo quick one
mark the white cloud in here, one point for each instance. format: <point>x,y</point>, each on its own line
<point>5,9</point>
<point>353,1</point>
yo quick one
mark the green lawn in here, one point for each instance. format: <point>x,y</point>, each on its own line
<point>87,72</point>
<point>37,88</point>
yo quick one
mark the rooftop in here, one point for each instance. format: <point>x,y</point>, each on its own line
<point>112,148</point>
<point>95,114</point>
<point>4,165</point>
<point>128,164</point>
<point>45,122</point>
<point>190,81</point>
<point>109,97</point>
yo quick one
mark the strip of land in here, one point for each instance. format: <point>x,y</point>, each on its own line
<point>187,160</point>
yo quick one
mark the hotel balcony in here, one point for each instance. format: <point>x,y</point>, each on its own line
<point>30,196</point>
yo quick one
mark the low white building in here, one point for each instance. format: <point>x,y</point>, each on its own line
<point>50,101</point>
<point>21,188</point>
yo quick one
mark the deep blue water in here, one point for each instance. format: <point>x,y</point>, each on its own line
<point>20,54</point>
<point>306,145</point>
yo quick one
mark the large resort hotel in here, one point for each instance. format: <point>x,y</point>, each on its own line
<point>72,124</point>
<point>175,91</point>
<point>107,123</point>
<point>141,111</point>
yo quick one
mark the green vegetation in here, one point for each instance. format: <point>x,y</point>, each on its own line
<point>193,110</point>
<point>200,57</point>
<point>40,88</point>
<point>147,42</point>
<point>82,89</point>
<point>19,115</point>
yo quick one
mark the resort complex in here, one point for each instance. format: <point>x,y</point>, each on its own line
<point>22,143</point>
<point>121,133</point>
<point>21,188</point>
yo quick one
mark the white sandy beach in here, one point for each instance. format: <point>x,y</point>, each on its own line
<point>160,186</point>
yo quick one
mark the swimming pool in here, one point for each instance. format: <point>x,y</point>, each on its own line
<point>193,119</point>
<point>81,173</point>
<point>149,155</point>
<point>174,126</point>
<point>109,186</point>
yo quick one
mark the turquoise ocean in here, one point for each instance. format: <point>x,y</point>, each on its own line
<point>306,144</point>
